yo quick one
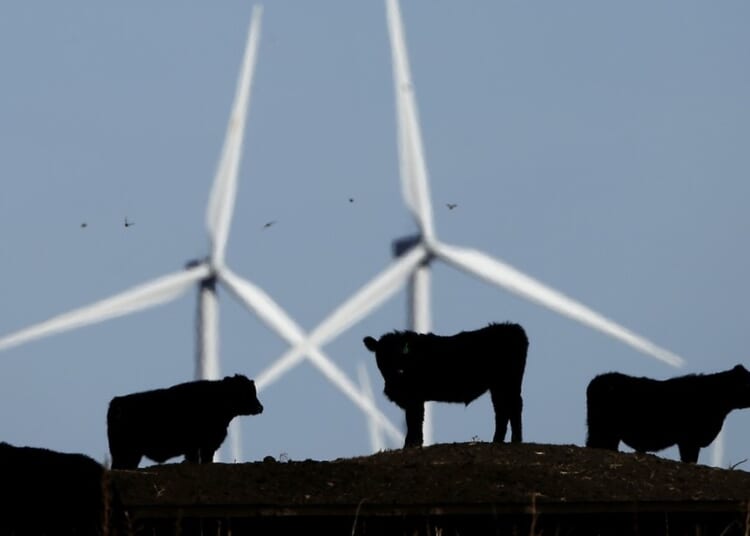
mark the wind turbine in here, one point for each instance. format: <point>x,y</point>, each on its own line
<point>415,253</point>
<point>210,272</point>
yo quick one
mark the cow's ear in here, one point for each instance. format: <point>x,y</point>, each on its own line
<point>371,344</point>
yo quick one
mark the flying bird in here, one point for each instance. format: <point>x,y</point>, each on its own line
<point>84,225</point>
<point>128,223</point>
<point>267,225</point>
<point>451,206</point>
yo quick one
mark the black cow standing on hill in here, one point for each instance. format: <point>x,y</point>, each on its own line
<point>458,368</point>
<point>651,415</point>
<point>189,419</point>
<point>47,492</point>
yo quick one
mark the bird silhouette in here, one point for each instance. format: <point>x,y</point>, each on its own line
<point>268,224</point>
<point>128,223</point>
<point>84,225</point>
<point>451,206</point>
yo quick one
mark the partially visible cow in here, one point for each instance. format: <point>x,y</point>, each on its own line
<point>458,368</point>
<point>189,419</point>
<point>651,415</point>
<point>48,492</point>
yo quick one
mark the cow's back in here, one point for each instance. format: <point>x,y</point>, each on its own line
<point>461,367</point>
<point>646,414</point>
<point>142,413</point>
<point>155,423</point>
<point>160,406</point>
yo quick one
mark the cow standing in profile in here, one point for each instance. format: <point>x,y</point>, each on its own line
<point>458,368</point>
<point>651,415</point>
<point>189,419</point>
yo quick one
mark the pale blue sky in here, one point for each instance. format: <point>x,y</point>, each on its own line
<point>599,147</point>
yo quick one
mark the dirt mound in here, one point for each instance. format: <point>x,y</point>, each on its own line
<point>462,473</point>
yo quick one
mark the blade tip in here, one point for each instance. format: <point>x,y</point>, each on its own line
<point>674,360</point>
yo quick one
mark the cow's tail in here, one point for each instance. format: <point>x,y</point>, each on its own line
<point>598,414</point>
<point>113,412</point>
<point>519,344</point>
<point>114,421</point>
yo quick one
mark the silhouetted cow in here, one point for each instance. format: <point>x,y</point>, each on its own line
<point>48,492</point>
<point>651,415</point>
<point>458,368</point>
<point>189,419</point>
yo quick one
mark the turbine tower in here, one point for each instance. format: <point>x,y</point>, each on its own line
<point>209,272</point>
<point>415,253</point>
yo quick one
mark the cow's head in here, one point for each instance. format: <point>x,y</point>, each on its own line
<point>739,391</point>
<point>396,361</point>
<point>242,396</point>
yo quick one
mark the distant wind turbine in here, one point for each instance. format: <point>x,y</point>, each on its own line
<point>415,253</point>
<point>209,272</point>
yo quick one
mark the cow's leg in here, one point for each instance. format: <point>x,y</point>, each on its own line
<point>192,455</point>
<point>516,429</point>
<point>127,460</point>
<point>207,454</point>
<point>602,432</point>
<point>601,438</point>
<point>211,443</point>
<point>503,414</point>
<point>414,423</point>
<point>688,453</point>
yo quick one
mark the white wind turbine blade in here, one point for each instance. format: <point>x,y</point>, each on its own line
<point>369,297</point>
<point>296,354</point>
<point>413,168</point>
<point>376,438</point>
<point>340,380</point>
<point>278,368</point>
<point>327,367</point>
<point>260,303</point>
<point>221,201</point>
<point>150,294</point>
<point>504,275</point>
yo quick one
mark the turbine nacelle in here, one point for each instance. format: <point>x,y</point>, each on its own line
<point>208,282</point>
<point>196,262</point>
<point>403,245</point>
